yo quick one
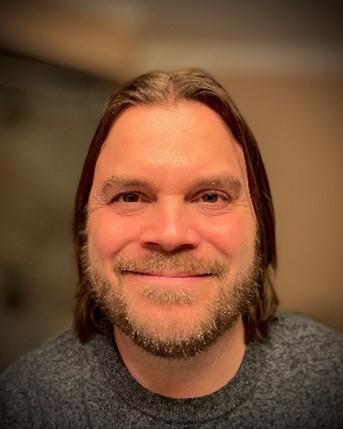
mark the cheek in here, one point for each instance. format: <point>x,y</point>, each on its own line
<point>232,236</point>
<point>108,234</point>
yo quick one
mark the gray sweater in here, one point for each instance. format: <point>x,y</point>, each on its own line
<point>295,380</point>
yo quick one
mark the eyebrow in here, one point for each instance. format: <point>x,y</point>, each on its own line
<point>122,181</point>
<point>221,181</point>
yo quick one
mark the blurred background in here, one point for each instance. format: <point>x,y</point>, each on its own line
<point>282,62</point>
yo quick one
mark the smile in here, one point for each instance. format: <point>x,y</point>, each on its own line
<point>171,275</point>
<point>165,277</point>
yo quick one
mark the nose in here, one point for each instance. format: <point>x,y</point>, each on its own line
<point>170,228</point>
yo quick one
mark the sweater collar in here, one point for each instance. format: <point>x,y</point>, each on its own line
<point>119,383</point>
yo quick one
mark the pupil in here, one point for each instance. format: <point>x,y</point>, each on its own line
<point>130,198</point>
<point>211,198</point>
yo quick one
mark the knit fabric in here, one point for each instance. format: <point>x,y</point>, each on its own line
<point>295,380</point>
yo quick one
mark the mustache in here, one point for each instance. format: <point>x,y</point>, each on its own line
<point>175,263</point>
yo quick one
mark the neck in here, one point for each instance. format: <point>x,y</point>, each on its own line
<point>197,376</point>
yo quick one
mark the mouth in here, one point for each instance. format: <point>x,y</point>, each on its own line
<point>175,279</point>
<point>172,275</point>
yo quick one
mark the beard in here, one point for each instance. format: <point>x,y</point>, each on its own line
<point>174,340</point>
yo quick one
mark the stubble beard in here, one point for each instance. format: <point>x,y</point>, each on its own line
<point>231,303</point>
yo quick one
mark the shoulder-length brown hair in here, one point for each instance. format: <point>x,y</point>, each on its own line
<point>161,87</point>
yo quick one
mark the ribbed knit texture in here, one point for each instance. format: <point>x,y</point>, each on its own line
<point>295,380</point>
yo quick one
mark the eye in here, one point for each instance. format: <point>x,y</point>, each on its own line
<point>212,197</point>
<point>128,197</point>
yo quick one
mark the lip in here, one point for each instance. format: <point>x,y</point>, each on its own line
<point>177,274</point>
<point>171,278</point>
<point>169,275</point>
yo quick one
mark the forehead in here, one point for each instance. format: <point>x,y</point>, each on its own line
<point>186,138</point>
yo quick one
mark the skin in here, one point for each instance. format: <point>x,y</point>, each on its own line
<point>176,152</point>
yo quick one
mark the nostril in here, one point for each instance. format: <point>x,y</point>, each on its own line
<point>169,248</point>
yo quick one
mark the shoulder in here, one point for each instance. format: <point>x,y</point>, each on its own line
<point>48,371</point>
<point>302,371</point>
<point>50,359</point>
<point>298,340</point>
<point>304,364</point>
<point>298,332</point>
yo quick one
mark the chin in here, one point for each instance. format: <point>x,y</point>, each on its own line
<point>165,320</point>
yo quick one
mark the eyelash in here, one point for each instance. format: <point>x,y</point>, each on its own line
<point>123,194</point>
<point>116,199</point>
<point>222,197</point>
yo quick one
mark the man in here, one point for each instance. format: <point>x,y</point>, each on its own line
<point>175,323</point>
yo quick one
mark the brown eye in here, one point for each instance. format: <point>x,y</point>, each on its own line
<point>213,197</point>
<point>210,197</point>
<point>128,197</point>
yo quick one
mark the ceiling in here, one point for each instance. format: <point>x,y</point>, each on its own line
<point>116,39</point>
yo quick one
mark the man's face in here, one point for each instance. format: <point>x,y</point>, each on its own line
<point>171,228</point>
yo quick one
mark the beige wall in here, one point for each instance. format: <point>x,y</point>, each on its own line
<point>298,124</point>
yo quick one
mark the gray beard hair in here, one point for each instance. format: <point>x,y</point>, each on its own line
<point>231,304</point>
